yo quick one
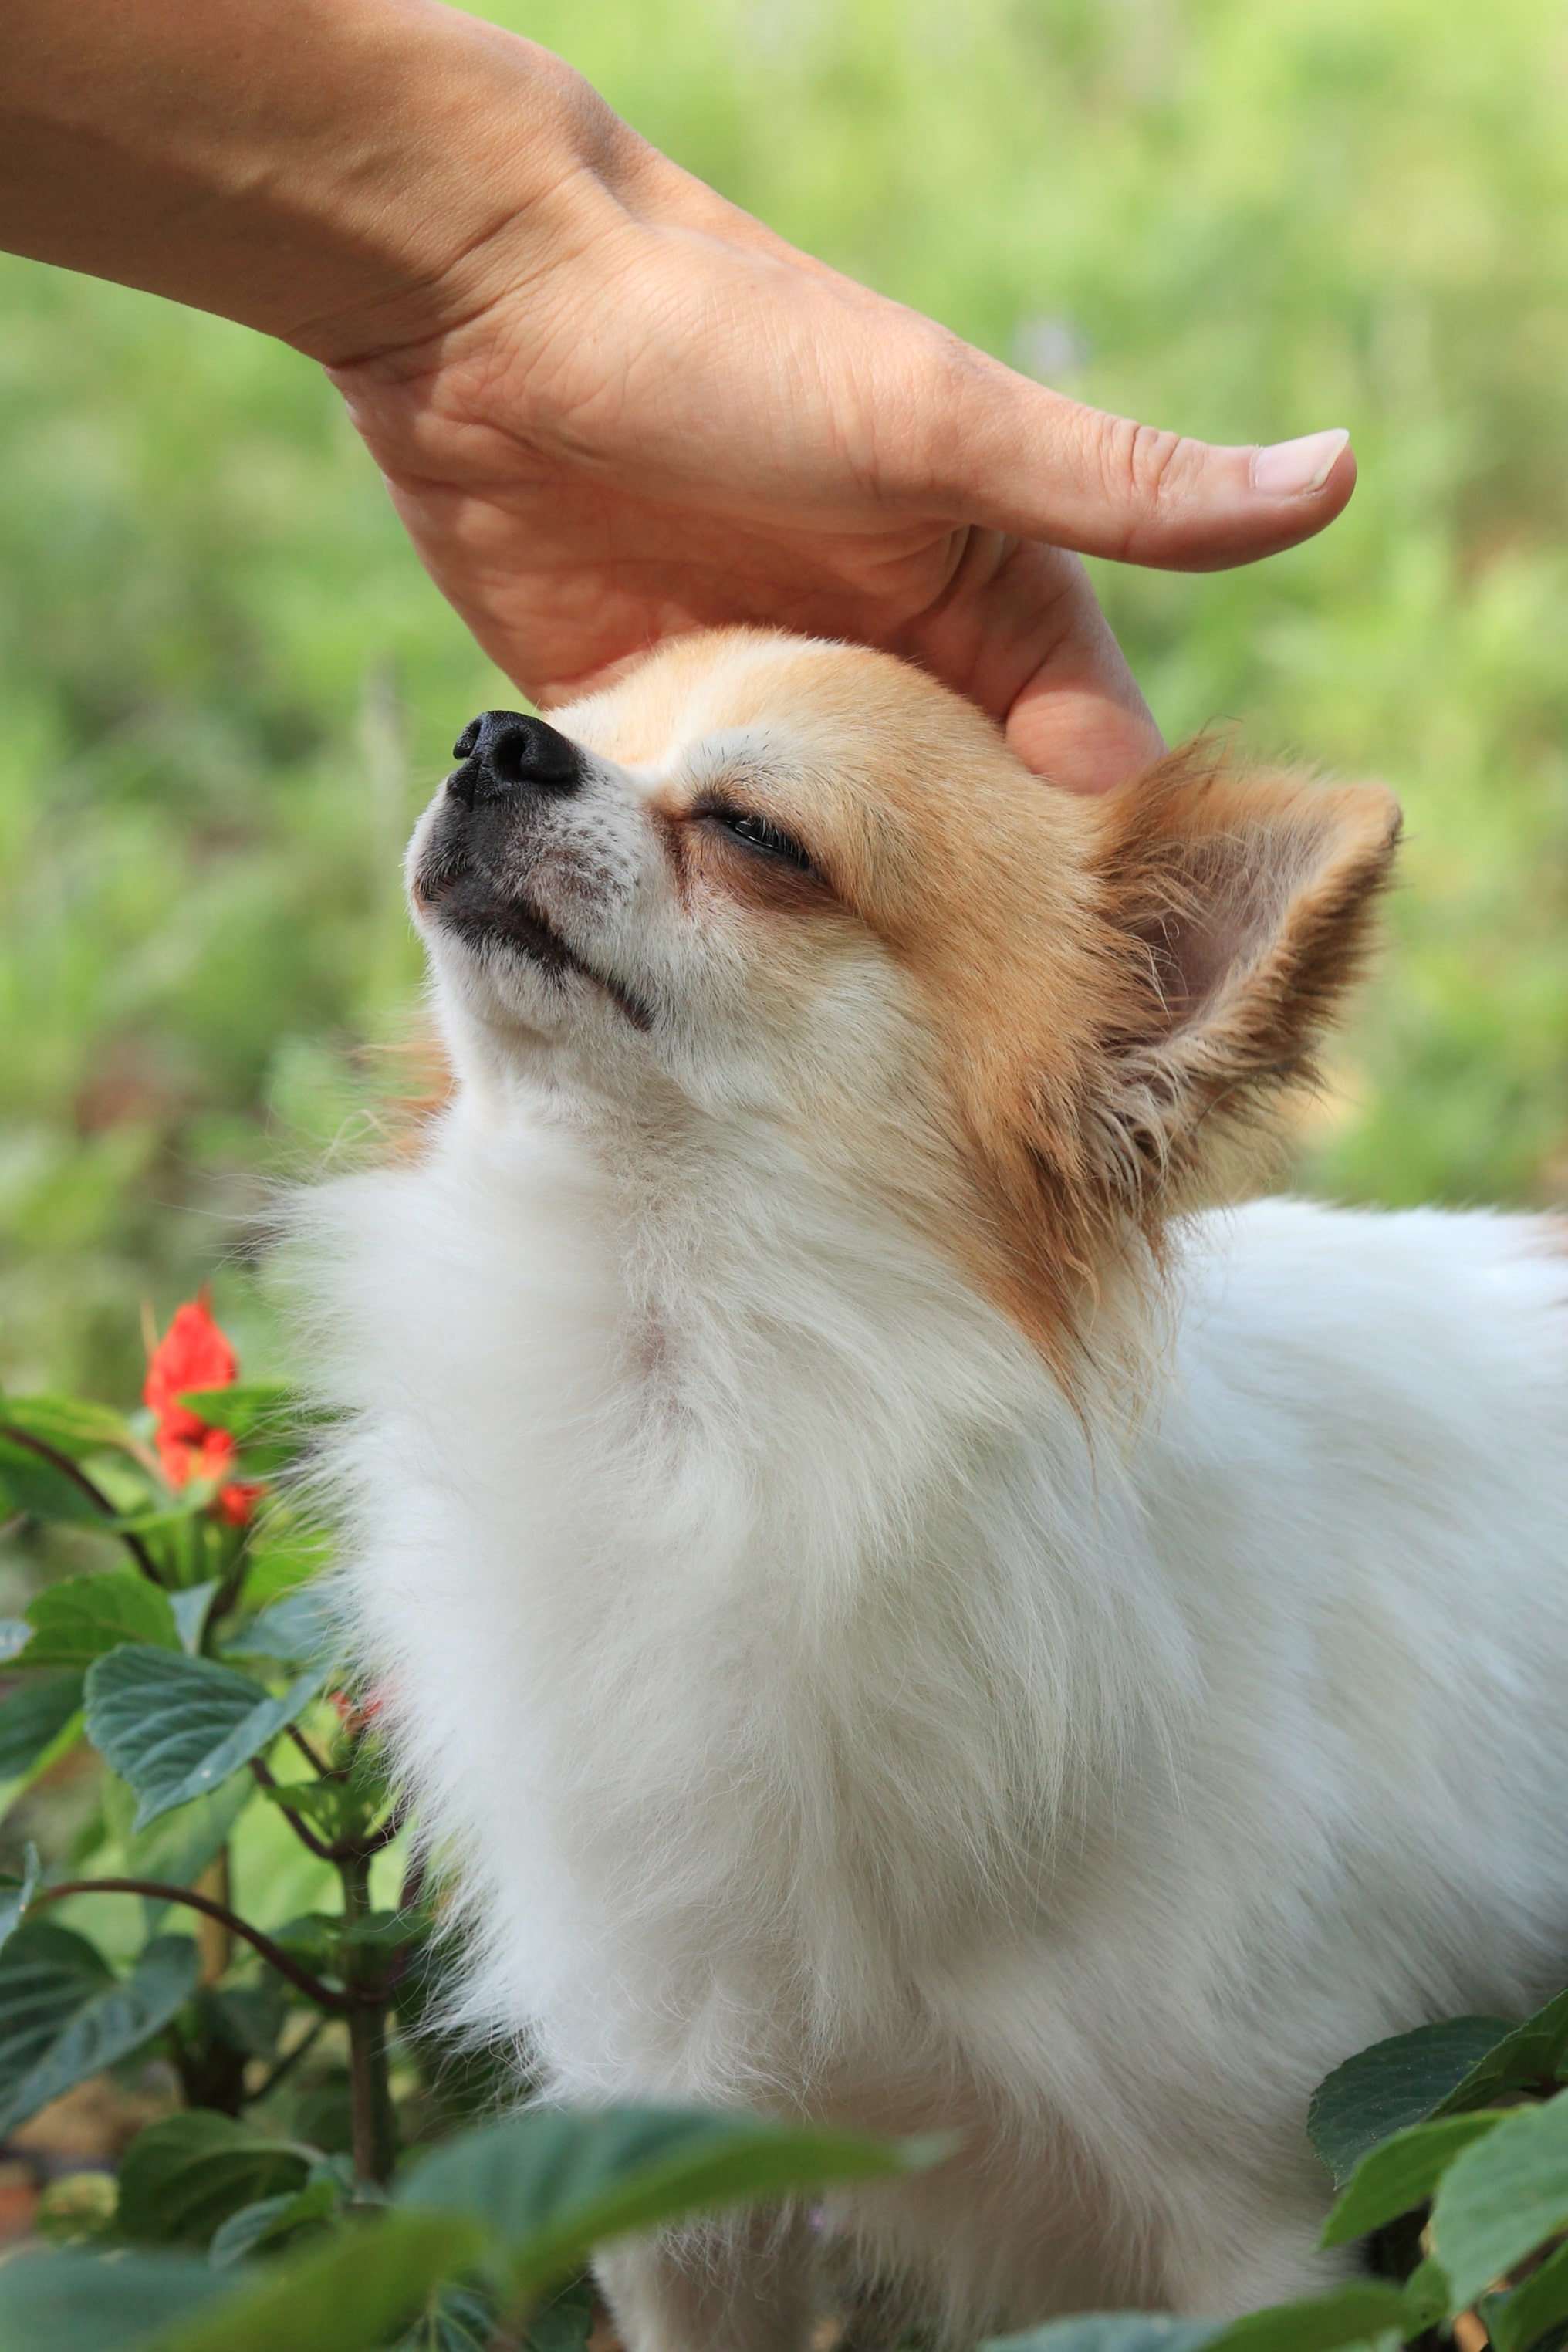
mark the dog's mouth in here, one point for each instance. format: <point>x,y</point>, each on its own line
<point>466,903</point>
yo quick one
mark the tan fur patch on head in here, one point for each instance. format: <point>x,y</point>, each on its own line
<point>1106,987</point>
<point>1113,987</point>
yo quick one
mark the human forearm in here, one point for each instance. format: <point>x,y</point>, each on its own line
<point>319,169</point>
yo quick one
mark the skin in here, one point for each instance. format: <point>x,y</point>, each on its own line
<point>610,407</point>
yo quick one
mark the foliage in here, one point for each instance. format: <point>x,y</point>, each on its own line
<point>203,1671</point>
<point>281,2237</point>
<point>1465,2116</point>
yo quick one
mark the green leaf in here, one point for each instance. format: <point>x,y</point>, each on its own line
<point>179,1845</point>
<point>74,2302</point>
<point>1501,2199</point>
<point>1394,2083</point>
<point>1113,2331</point>
<point>286,1551</point>
<point>114,2018</point>
<point>270,2222</point>
<point>1363,2312</point>
<point>458,2321</point>
<point>183,2176</point>
<point>268,1422</point>
<point>15,1894</point>
<point>1425,2297</point>
<point>247,1409</point>
<point>47,1975</point>
<point>1401,2172</point>
<point>32,1720</point>
<point>551,2185</point>
<point>168,1517</point>
<point>320,1940</point>
<point>563,2325</point>
<point>338,1808</point>
<point>1516,2321</point>
<point>72,1425</point>
<point>248,2017</point>
<point>326,1806</point>
<point>464,2081</point>
<point>320,1802</point>
<point>298,1630</point>
<point>1528,2056</point>
<point>30,1483</point>
<point>346,2295</point>
<point>190,1607</point>
<point>174,1726</point>
<point>78,1620</point>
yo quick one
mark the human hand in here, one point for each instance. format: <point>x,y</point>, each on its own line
<point>609,405</point>
<point>656,416</point>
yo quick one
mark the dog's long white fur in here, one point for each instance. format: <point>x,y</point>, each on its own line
<point>828,1711</point>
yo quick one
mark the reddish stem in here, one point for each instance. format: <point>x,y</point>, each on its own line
<point>95,1494</point>
<point>339,2004</point>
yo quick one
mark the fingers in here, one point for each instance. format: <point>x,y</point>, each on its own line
<point>1075,733</point>
<point>1079,720</point>
<point>1018,458</point>
<point>1018,629</point>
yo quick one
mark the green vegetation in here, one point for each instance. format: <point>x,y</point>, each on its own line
<point>189,1686</point>
<point>227,687</point>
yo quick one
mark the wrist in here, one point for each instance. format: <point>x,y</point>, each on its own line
<point>477,161</point>
<point>327,171</point>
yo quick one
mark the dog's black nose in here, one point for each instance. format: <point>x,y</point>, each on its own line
<point>503,752</point>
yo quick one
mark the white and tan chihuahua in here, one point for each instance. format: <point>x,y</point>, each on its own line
<point>899,1617</point>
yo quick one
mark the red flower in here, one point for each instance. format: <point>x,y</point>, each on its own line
<point>357,1715</point>
<point>193,1354</point>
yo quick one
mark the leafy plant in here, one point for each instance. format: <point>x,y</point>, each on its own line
<point>466,2250</point>
<point>1466,2117</point>
<point>135,1661</point>
<point>201,1668</point>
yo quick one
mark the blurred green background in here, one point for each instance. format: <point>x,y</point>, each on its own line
<point>227,686</point>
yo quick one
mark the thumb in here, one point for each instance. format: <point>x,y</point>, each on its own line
<point>1023,459</point>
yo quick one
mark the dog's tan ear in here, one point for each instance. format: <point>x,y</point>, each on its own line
<point>1239,910</point>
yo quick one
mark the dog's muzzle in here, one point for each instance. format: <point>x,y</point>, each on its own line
<point>474,873</point>
<point>503,752</point>
<point>514,769</point>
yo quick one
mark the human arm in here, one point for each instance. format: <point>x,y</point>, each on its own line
<point>608,404</point>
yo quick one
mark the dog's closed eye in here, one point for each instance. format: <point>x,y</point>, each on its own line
<point>762,836</point>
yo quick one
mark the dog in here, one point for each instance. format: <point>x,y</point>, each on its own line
<point>901,1610</point>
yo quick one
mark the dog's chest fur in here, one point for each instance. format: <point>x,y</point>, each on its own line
<point>828,1712</point>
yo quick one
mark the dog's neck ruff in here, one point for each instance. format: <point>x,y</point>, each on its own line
<point>703,1420</point>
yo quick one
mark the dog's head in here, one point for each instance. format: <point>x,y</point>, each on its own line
<point>802,890</point>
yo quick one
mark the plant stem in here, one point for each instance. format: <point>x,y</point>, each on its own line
<point>95,1494</point>
<point>337,2004</point>
<point>318,1764</point>
<point>306,1836</point>
<point>286,2065</point>
<point>369,2080</point>
<point>215,1937</point>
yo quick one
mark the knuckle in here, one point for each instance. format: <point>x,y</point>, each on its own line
<point>1150,472</point>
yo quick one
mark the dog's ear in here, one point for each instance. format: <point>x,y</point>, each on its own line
<point>1209,924</point>
<point>1238,909</point>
